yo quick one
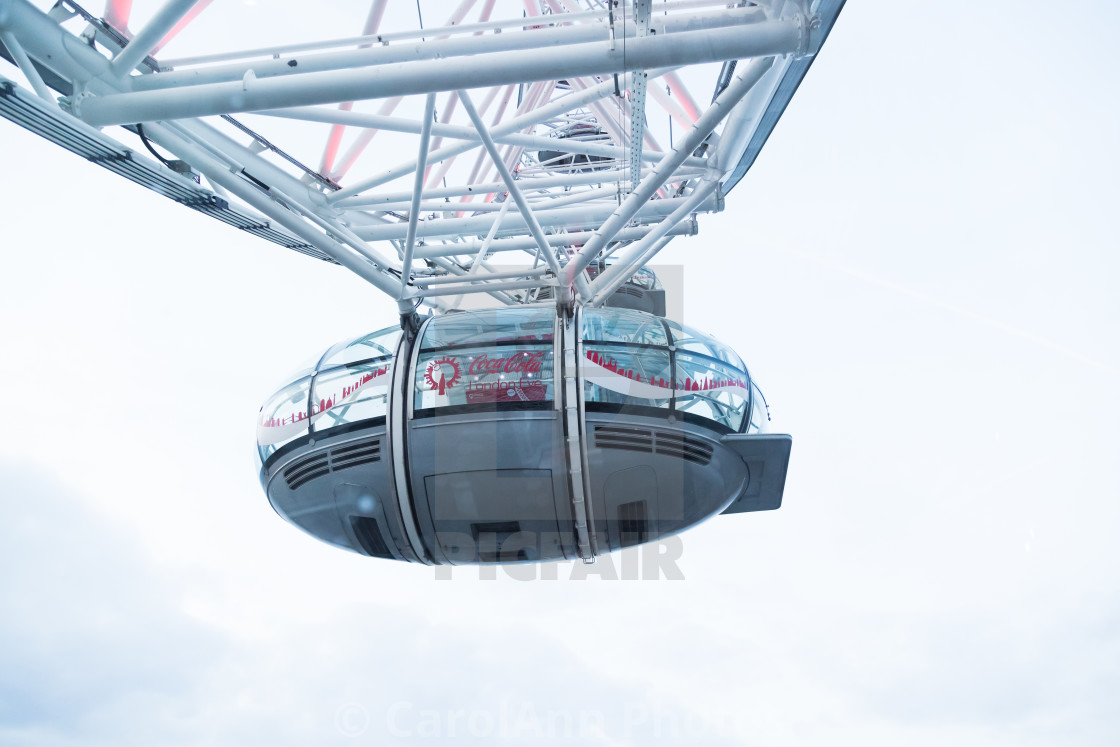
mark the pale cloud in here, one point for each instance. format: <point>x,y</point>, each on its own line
<point>921,269</point>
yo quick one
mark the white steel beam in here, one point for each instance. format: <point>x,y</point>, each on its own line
<point>457,132</point>
<point>561,218</point>
<point>133,53</point>
<point>42,39</point>
<point>718,16</point>
<point>23,62</point>
<point>559,210</point>
<point>514,192</point>
<point>556,108</point>
<point>417,192</point>
<point>479,285</point>
<point>446,279</point>
<point>217,172</point>
<point>482,251</point>
<point>522,243</point>
<point>607,176</point>
<point>500,68</point>
<point>545,202</point>
<point>638,98</point>
<point>539,40</point>
<point>456,270</point>
<point>640,252</point>
<point>742,83</point>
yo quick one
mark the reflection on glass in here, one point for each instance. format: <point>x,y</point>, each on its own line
<point>484,376</point>
<point>490,326</point>
<point>760,418</point>
<point>283,417</point>
<point>711,390</point>
<point>622,325</point>
<point>688,339</point>
<point>350,393</point>
<point>626,376</point>
<point>379,344</point>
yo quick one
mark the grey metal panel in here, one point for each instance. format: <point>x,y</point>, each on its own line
<point>767,459</point>
<point>492,515</point>
<point>688,491</point>
<point>506,464</point>
<point>344,486</point>
<point>628,486</point>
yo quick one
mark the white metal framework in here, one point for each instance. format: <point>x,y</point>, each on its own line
<point>549,132</point>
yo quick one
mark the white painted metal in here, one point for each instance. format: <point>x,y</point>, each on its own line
<point>23,62</point>
<point>643,196</point>
<point>270,64</point>
<point>430,76</point>
<point>143,43</point>
<point>587,139</point>
<point>638,253</point>
<point>573,439</point>
<point>417,193</point>
<point>637,98</point>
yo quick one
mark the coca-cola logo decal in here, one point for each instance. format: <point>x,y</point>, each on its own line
<point>519,363</point>
<point>441,374</point>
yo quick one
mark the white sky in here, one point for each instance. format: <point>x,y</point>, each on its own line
<point>920,270</point>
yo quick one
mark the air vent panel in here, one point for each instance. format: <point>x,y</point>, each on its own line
<point>353,454</point>
<point>305,470</point>
<point>684,446</point>
<point>302,471</point>
<point>631,439</point>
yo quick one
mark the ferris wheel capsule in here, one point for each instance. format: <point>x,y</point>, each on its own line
<point>573,142</point>
<point>517,435</point>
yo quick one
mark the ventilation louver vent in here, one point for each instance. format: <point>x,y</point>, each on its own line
<point>368,534</point>
<point>351,455</point>
<point>683,446</point>
<point>669,443</point>
<point>303,471</point>
<point>631,439</point>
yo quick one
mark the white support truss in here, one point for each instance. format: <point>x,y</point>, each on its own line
<point>552,132</point>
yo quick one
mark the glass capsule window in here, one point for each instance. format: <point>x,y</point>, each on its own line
<point>346,394</point>
<point>505,359</point>
<point>635,360</point>
<point>283,417</point>
<point>688,339</point>
<point>490,327</point>
<point>711,390</point>
<point>347,384</point>
<point>627,376</point>
<point>377,345</point>
<point>517,375</point>
<point>760,417</point>
<point>499,357</point>
<point>622,325</point>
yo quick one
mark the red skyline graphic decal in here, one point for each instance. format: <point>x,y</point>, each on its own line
<point>707,383</point>
<point>324,403</point>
